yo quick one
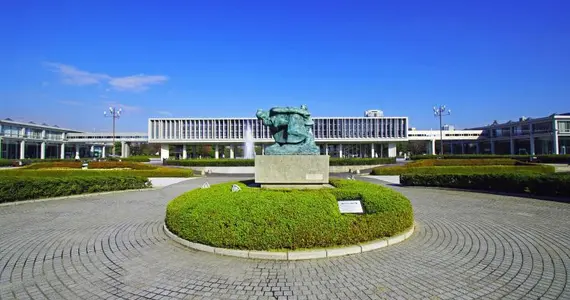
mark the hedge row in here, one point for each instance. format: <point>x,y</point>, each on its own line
<point>468,162</point>
<point>260,219</point>
<point>131,158</point>
<point>25,188</point>
<point>158,172</point>
<point>543,185</point>
<point>251,162</point>
<point>536,169</point>
<point>335,161</point>
<point>5,163</point>
<point>91,165</point>
<point>550,158</point>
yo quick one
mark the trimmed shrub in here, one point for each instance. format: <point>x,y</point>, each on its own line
<point>136,158</point>
<point>6,163</point>
<point>335,161</point>
<point>548,158</point>
<point>534,169</point>
<point>25,188</point>
<point>535,184</point>
<point>158,172</point>
<point>228,162</point>
<point>225,162</point>
<point>91,165</point>
<point>468,162</point>
<point>260,219</point>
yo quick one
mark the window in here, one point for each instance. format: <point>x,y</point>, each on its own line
<point>564,126</point>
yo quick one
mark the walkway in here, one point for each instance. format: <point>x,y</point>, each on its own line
<point>468,245</point>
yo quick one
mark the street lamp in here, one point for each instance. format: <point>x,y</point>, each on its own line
<point>440,112</point>
<point>115,114</point>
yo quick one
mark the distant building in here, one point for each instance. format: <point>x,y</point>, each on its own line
<point>373,113</point>
<point>447,127</point>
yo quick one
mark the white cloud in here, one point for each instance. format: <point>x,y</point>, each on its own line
<point>137,82</point>
<point>74,76</point>
<point>164,113</point>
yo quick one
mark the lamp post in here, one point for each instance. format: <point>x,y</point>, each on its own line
<point>440,112</point>
<point>115,114</point>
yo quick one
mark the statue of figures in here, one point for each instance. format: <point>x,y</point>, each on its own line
<point>291,129</point>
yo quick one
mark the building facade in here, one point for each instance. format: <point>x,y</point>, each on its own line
<point>533,136</point>
<point>341,137</point>
<point>371,136</point>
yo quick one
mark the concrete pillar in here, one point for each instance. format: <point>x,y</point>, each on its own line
<point>22,149</point>
<point>531,138</point>
<point>326,149</point>
<point>340,150</point>
<point>232,155</point>
<point>184,152</point>
<point>372,150</point>
<point>62,151</point>
<point>77,151</point>
<point>103,148</point>
<point>477,149</point>
<point>262,149</point>
<point>512,146</point>
<point>392,150</point>
<point>43,150</point>
<point>462,148</point>
<point>432,147</point>
<point>164,151</point>
<point>92,150</point>
<point>123,144</point>
<point>217,153</point>
<point>127,150</point>
<point>555,138</point>
<point>450,147</point>
<point>492,147</point>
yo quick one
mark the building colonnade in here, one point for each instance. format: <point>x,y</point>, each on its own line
<point>23,149</point>
<point>193,150</point>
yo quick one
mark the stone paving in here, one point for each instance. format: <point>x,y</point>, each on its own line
<point>468,245</point>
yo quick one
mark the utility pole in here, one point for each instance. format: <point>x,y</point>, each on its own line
<point>115,114</point>
<point>440,112</point>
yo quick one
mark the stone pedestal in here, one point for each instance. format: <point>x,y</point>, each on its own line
<point>292,171</point>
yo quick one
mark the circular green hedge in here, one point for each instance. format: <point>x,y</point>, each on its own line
<point>261,219</point>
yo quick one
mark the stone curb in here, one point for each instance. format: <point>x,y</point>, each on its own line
<point>296,255</point>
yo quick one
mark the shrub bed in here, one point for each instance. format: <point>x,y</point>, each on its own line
<point>158,172</point>
<point>259,219</point>
<point>540,169</point>
<point>549,158</point>
<point>535,184</point>
<point>335,161</point>
<point>228,162</point>
<point>25,188</point>
<point>225,162</point>
<point>133,158</point>
<point>468,162</point>
<point>6,162</point>
<point>91,165</point>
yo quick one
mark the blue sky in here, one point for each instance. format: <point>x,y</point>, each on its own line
<point>64,62</point>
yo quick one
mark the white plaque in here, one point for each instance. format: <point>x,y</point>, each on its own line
<point>314,176</point>
<point>350,207</point>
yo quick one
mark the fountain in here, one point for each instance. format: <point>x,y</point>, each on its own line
<point>248,147</point>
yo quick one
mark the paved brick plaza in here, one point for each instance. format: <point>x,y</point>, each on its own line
<point>468,245</point>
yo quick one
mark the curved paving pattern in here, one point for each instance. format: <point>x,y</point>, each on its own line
<point>468,245</point>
